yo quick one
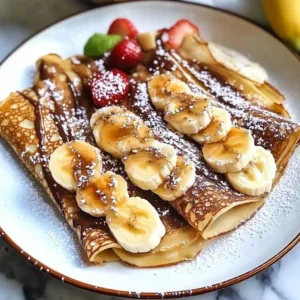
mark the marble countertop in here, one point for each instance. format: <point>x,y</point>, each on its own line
<point>21,281</point>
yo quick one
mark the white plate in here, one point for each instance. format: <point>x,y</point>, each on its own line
<point>32,224</point>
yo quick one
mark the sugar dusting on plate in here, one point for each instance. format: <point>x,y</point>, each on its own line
<point>279,204</point>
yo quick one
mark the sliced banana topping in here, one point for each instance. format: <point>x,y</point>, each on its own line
<point>188,113</point>
<point>73,164</point>
<point>179,181</point>
<point>102,193</point>
<point>217,129</point>
<point>237,62</point>
<point>134,222</point>
<point>232,154</point>
<point>225,149</point>
<point>130,143</point>
<point>257,177</point>
<point>111,124</point>
<point>105,113</point>
<point>147,161</point>
<point>149,166</point>
<point>136,225</point>
<point>162,87</point>
<point>147,40</point>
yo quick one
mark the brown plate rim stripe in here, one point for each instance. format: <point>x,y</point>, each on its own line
<point>147,295</point>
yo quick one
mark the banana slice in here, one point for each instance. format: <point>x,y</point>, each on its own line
<point>112,125</point>
<point>162,88</point>
<point>73,164</point>
<point>257,177</point>
<point>129,143</point>
<point>136,225</point>
<point>188,113</point>
<point>148,167</point>
<point>102,193</point>
<point>105,113</point>
<point>217,129</point>
<point>231,154</point>
<point>237,62</point>
<point>147,40</point>
<point>179,181</point>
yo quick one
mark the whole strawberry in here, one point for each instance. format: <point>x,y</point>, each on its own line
<point>125,55</point>
<point>109,87</point>
<point>123,27</point>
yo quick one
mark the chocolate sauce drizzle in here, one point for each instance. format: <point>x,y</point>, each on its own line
<point>57,191</point>
<point>82,220</point>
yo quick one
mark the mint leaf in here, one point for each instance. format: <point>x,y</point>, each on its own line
<point>100,43</point>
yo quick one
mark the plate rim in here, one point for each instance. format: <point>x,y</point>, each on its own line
<point>148,295</point>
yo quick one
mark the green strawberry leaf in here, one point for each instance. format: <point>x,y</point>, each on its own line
<point>100,43</point>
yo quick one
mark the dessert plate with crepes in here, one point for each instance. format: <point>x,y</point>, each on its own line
<point>132,152</point>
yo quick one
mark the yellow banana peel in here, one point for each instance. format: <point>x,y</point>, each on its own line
<point>284,18</point>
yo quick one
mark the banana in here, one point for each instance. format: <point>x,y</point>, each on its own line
<point>102,193</point>
<point>237,62</point>
<point>232,154</point>
<point>105,112</point>
<point>217,129</point>
<point>111,124</point>
<point>148,167</point>
<point>257,177</point>
<point>162,88</point>
<point>129,143</point>
<point>179,181</point>
<point>136,225</point>
<point>73,164</point>
<point>188,113</point>
<point>147,40</point>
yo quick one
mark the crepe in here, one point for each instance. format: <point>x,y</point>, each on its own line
<point>56,110</point>
<point>210,199</point>
<point>194,48</point>
<point>211,205</point>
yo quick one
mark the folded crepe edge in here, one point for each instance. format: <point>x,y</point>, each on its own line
<point>98,248</point>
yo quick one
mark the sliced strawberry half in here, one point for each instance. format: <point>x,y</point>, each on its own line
<point>123,27</point>
<point>179,31</point>
<point>109,87</point>
<point>125,55</point>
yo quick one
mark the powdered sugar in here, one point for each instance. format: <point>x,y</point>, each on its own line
<point>161,130</point>
<point>279,206</point>
<point>109,87</point>
<point>250,116</point>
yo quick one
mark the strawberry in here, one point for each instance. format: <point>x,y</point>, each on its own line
<point>123,27</point>
<point>109,87</point>
<point>179,31</point>
<point>125,55</point>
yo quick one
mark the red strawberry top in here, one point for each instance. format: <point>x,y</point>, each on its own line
<point>124,27</point>
<point>125,55</point>
<point>179,31</point>
<point>109,87</point>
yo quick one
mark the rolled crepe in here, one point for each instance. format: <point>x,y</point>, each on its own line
<point>211,205</point>
<point>31,122</point>
<point>17,126</point>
